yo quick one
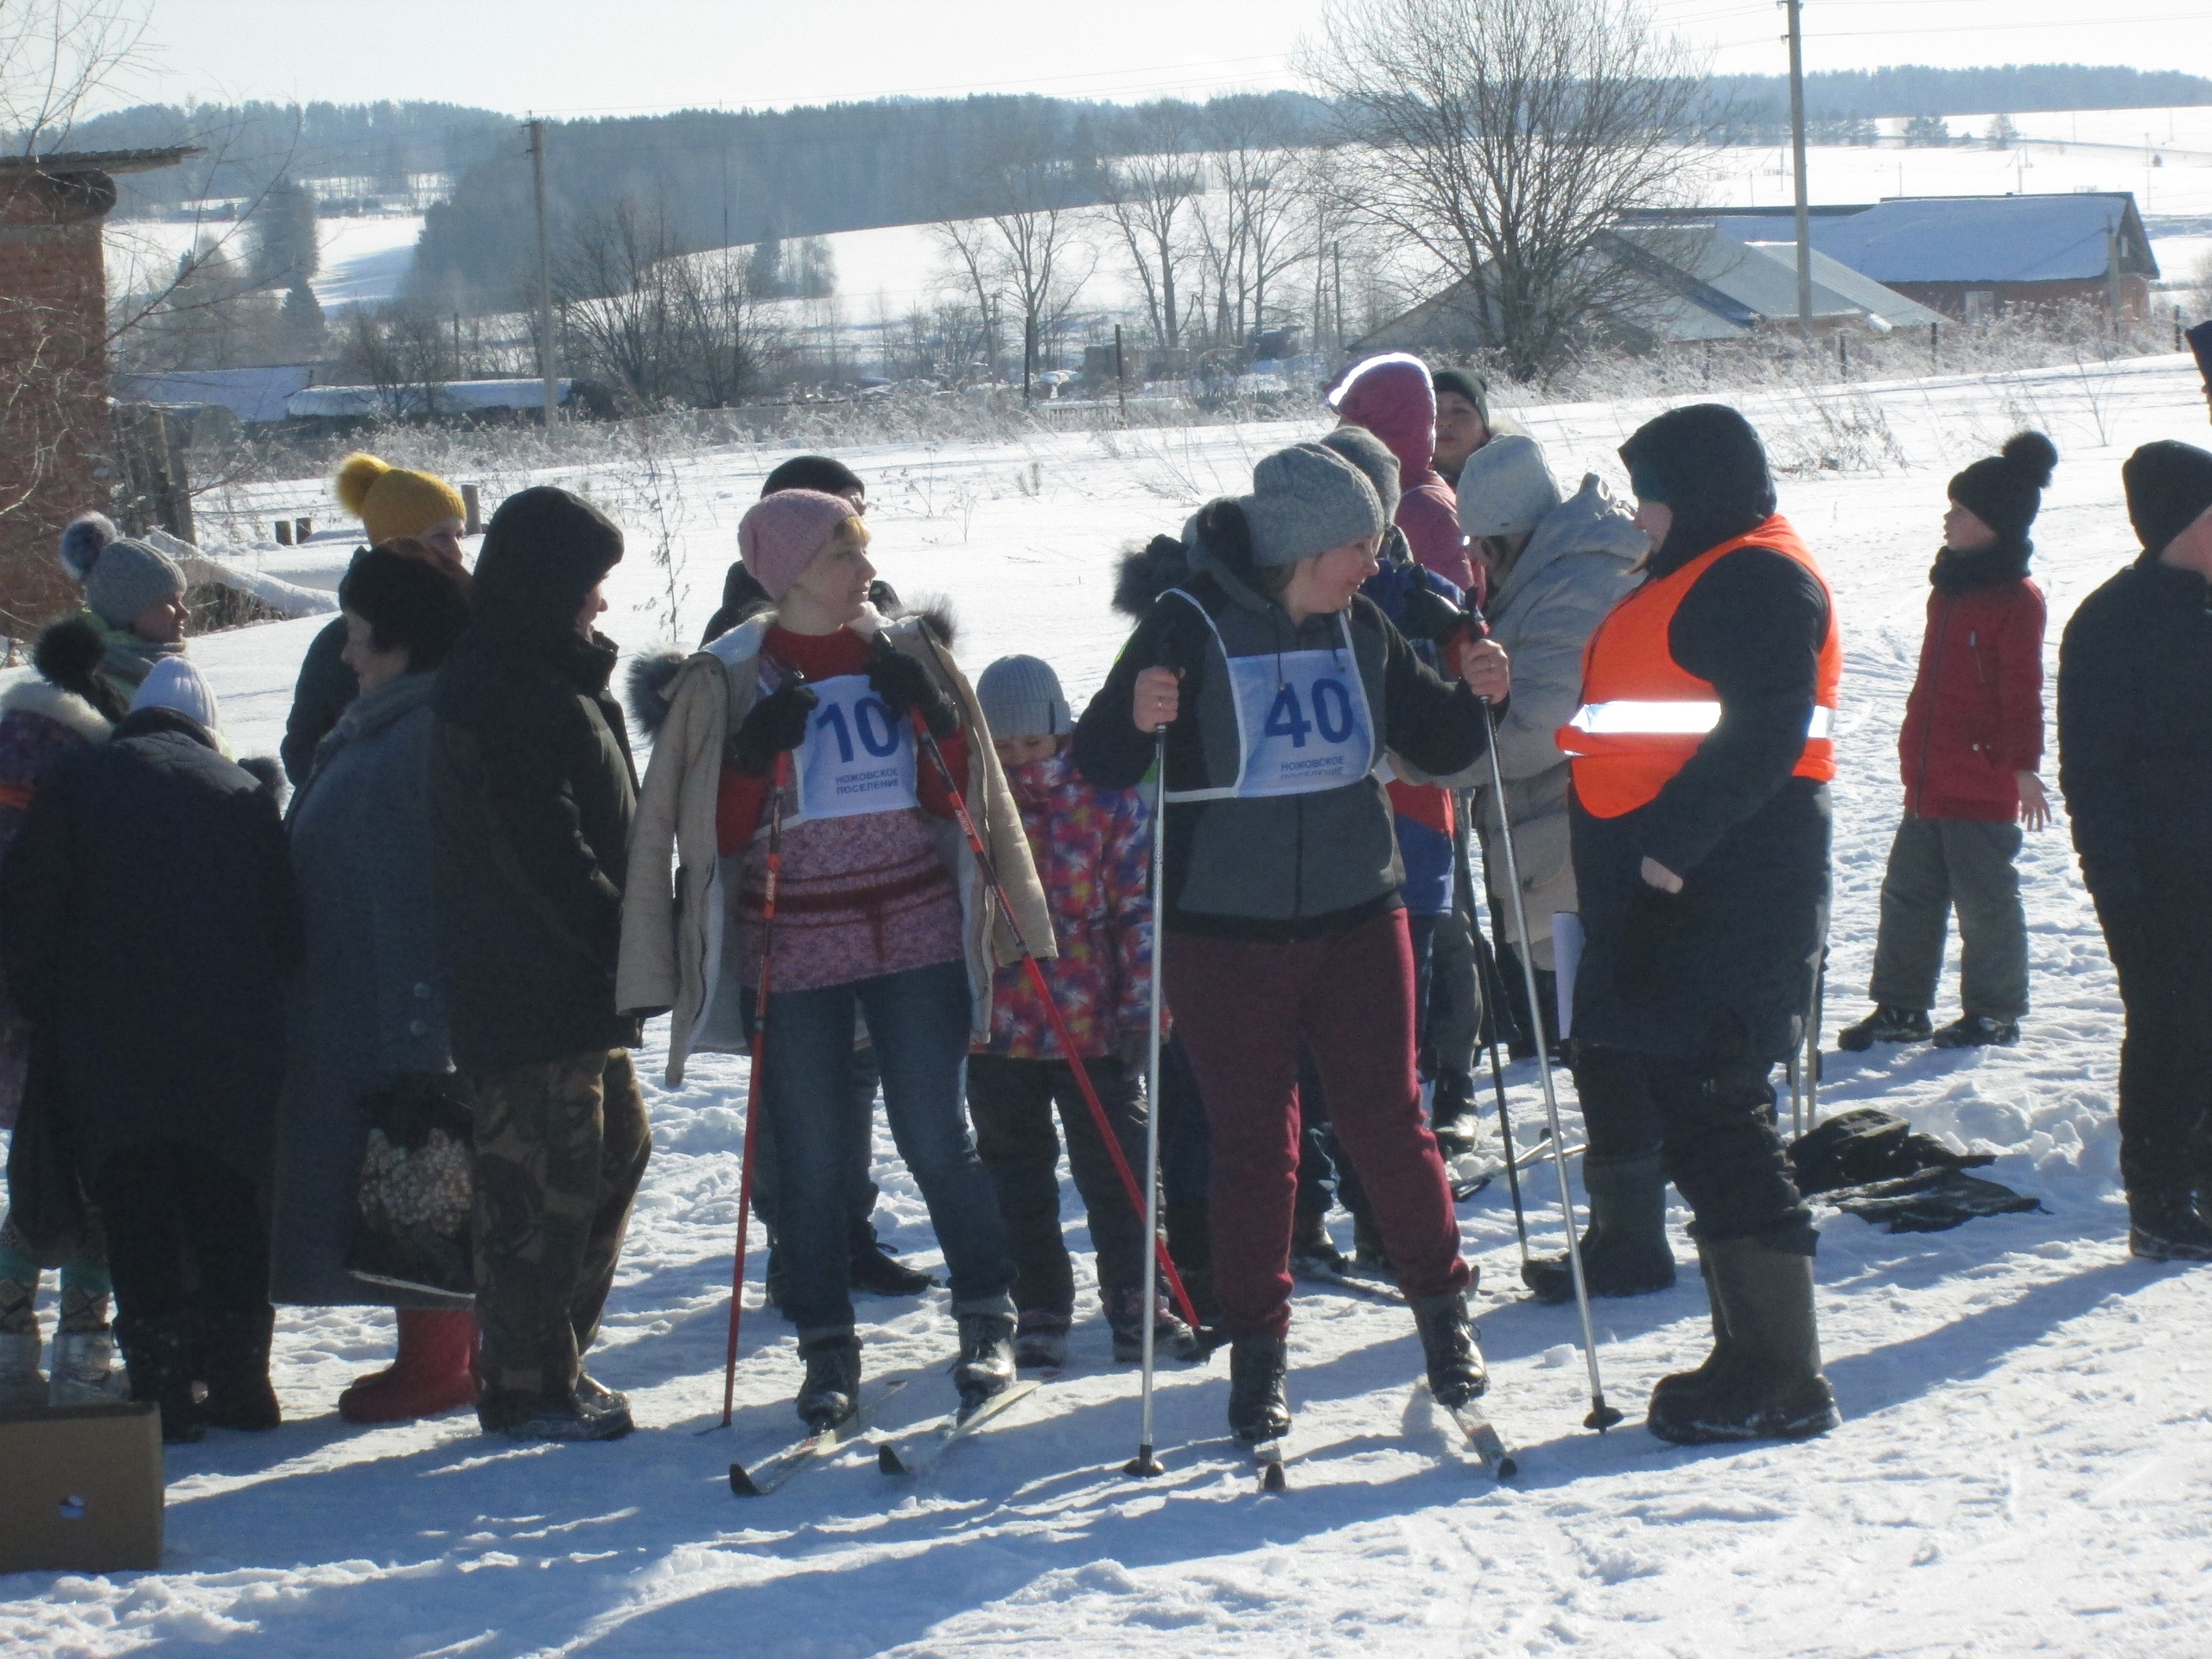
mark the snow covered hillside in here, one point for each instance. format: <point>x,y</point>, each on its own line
<point>2026,1459</point>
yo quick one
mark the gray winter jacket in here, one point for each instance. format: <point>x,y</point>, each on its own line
<point>373,1003</point>
<point>1576,566</point>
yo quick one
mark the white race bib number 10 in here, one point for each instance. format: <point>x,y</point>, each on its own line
<point>858,757</point>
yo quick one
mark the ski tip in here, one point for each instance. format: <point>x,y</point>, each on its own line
<point>886,1460</point>
<point>740,1483</point>
<point>1272,1480</point>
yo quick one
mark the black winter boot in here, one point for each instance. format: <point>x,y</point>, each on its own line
<point>1764,1382</point>
<point>986,1365</point>
<point>1171,1338</point>
<point>876,1272</point>
<point>156,1352</point>
<point>1456,1373</point>
<point>1887,1024</point>
<point>233,1361</point>
<point>2165,1225</point>
<point>1312,1250</point>
<point>1370,1255</point>
<point>831,1393</point>
<point>1624,1251</point>
<point>1978,1031</point>
<point>1259,1401</point>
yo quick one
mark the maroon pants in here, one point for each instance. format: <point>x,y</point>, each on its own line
<point>1243,1007</point>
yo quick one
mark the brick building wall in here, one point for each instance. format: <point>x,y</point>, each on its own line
<point>53,421</point>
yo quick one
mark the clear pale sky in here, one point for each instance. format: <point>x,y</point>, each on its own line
<point>586,57</point>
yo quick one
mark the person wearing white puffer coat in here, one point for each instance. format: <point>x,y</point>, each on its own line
<point>1556,568</point>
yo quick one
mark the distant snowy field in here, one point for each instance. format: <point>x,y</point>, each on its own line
<point>2026,1461</point>
<point>895,270</point>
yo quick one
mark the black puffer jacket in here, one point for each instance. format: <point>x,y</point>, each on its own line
<point>532,791</point>
<point>150,928</point>
<point>2135,733</point>
<point>324,691</point>
<point>1726,968</point>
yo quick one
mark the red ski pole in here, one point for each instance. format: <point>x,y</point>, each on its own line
<point>783,774</point>
<point>1183,1303</point>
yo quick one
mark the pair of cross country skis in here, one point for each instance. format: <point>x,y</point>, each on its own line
<point>924,1450</point>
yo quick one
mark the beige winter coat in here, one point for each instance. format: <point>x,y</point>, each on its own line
<point>673,927</point>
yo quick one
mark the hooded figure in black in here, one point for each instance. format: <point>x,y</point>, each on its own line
<point>2135,765</point>
<point>1705,909</point>
<point>532,792</point>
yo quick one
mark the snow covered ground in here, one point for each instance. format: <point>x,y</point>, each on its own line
<point>2026,1461</point>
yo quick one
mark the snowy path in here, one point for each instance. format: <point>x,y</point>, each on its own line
<point>2026,1462</point>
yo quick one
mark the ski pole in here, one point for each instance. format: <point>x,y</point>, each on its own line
<point>1602,1416</point>
<point>782,780</point>
<point>1813,1042</point>
<point>1145,1466</point>
<point>1044,990</point>
<point>1494,988</point>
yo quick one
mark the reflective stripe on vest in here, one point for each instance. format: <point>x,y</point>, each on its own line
<point>1643,714</point>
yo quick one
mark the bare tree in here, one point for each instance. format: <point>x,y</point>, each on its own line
<point>1024,248</point>
<point>1503,138</point>
<point>1251,222</point>
<point>1148,197</point>
<point>55,55</point>
<point>972,255</point>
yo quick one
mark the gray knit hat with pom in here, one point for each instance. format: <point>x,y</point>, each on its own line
<point>1306,501</point>
<point>121,577</point>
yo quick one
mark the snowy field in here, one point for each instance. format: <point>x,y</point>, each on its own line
<point>893,270</point>
<point>2026,1463</point>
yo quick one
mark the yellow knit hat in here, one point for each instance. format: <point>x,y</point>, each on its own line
<point>392,502</point>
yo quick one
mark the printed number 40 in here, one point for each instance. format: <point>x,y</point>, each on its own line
<point>1331,714</point>
<point>878,735</point>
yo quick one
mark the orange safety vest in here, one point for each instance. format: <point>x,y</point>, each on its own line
<point>1643,714</point>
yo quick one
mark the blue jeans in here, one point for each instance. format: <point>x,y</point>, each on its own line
<point>919,1023</point>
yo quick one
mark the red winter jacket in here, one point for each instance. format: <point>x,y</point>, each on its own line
<point>1975,716</point>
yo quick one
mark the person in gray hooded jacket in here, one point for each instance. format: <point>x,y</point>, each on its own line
<point>1556,568</point>
<point>1279,687</point>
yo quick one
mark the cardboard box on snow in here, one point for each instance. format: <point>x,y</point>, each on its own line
<point>80,1489</point>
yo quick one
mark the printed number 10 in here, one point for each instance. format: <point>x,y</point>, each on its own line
<point>1331,714</point>
<point>877,734</point>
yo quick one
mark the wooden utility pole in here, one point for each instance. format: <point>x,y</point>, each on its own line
<point>546,366</point>
<point>1797,157</point>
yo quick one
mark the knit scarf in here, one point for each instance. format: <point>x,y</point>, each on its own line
<point>128,659</point>
<point>1984,567</point>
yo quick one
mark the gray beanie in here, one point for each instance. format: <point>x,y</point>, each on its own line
<point>1505,488</point>
<point>1372,456</point>
<point>127,577</point>
<point>1306,501</point>
<point>1021,696</point>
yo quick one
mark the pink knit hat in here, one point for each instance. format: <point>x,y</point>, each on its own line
<point>781,532</point>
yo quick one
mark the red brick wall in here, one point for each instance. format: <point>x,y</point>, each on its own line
<point>1951,298</point>
<point>54,457</point>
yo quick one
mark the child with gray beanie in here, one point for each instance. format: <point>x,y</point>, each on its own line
<point>136,593</point>
<point>1092,847</point>
<point>1280,688</point>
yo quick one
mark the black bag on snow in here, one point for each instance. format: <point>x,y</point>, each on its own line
<point>1874,1165</point>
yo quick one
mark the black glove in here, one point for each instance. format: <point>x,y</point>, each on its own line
<point>1431,616</point>
<point>906,687</point>
<point>776,723</point>
<point>1656,920</point>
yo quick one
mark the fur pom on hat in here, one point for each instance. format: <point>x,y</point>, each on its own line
<point>82,543</point>
<point>2005,490</point>
<point>392,502</point>
<point>69,655</point>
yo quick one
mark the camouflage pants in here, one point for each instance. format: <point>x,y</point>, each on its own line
<point>560,1150</point>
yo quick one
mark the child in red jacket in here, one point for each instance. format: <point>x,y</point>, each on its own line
<point>1972,740</point>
